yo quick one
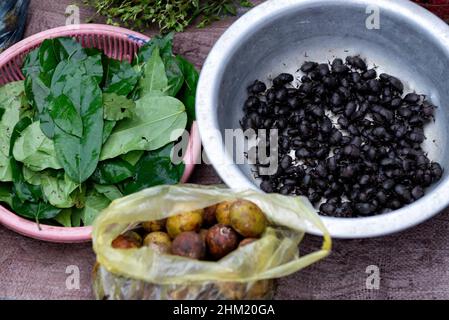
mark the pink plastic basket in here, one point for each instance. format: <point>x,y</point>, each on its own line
<point>118,43</point>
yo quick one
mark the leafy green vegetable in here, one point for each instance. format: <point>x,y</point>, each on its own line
<point>65,218</point>
<point>68,75</point>
<point>6,193</point>
<point>120,77</point>
<point>155,168</point>
<point>39,94</point>
<point>162,46</point>
<point>35,150</point>
<point>188,91</point>
<point>48,60</point>
<point>76,217</point>
<point>107,129</point>
<point>27,198</point>
<point>154,124</point>
<point>164,43</point>
<point>95,203</point>
<point>77,106</point>
<point>79,155</point>
<point>57,189</point>
<point>44,64</point>
<point>22,190</point>
<point>63,48</point>
<point>154,77</point>
<point>109,191</point>
<point>117,107</point>
<point>132,157</point>
<point>174,75</point>
<point>112,171</point>
<point>31,64</point>
<point>10,101</point>
<point>34,210</point>
<point>66,116</point>
<point>173,15</point>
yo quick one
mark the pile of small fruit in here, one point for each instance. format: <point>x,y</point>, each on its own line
<point>206,234</point>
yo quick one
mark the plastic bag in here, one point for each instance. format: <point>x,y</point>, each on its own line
<point>13,16</point>
<point>245,273</point>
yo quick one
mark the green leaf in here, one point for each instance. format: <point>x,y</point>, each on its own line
<point>44,64</point>
<point>154,77</point>
<point>35,150</point>
<point>26,198</point>
<point>48,60</point>
<point>163,43</point>
<point>10,101</point>
<point>246,3</point>
<point>38,94</point>
<point>31,64</point>
<point>69,48</point>
<point>164,46</point>
<point>6,193</point>
<point>22,190</point>
<point>188,92</point>
<point>155,168</point>
<point>68,73</point>
<point>120,76</point>
<point>132,157</point>
<point>112,171</point>
<point>117,107</point>
<point>11,91</point>
<point>76,217</point>
<point>109,191</point>
<point>93,67</point>
<point>64,218</point>
<point>156,122</point>
<point>65,116</point>
<point>107,129</point>
<point>174,75</point>
<point>36,211</point>
<point>95,203</point>
<point>79,156</point>
<point>56,189</point>
<point>230,8</point>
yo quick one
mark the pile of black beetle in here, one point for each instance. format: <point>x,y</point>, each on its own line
<point>349,140</point>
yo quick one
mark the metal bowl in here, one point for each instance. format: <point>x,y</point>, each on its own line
<point>279,35</point>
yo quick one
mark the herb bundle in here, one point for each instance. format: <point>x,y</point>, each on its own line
<point>169,15</point>
<point>84,129</point>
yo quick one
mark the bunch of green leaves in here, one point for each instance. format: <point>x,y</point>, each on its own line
<point>83,129</point>
<point>169,15</point>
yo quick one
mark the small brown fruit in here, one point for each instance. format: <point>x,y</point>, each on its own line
<point>158,241</point>
<point>190,245</point>
<point>188,221</point>
<point>222,212</point>
<point>209,216</point>
<point>156,225</point>
<point>247,219</point>
<point>246,241</point>
<point>221,240</point>
<point>128,240</point>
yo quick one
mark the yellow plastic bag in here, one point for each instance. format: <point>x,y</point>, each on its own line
<point>245,273</point>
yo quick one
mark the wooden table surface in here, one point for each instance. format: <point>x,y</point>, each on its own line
<point>413,264</point>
